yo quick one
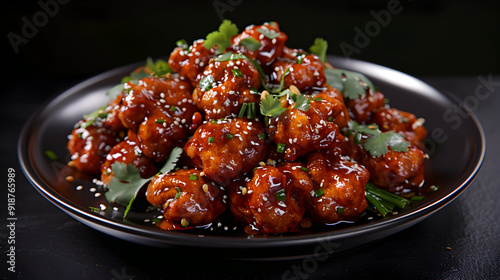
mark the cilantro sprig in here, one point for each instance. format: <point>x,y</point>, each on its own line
<point>351,84</point>
<point>378,142</point>
<point>271,106</point>
<point>222,37</point>
<point>127,182</point>
<point>319,48</point>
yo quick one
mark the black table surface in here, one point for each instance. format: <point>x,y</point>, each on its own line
<point>461,241</point>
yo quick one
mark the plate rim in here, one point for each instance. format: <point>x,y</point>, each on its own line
<point>178,238</point>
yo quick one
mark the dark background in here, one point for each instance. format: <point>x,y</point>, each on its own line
<point>446,43</point>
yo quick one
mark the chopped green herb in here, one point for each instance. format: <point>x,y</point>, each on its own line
<point>319,48</point>
<point>237,73</point>
<point>262,136</point>
<point>282,82</point>
<point>251,111</point>
<point>417,197</point>
<point>317,99</point>
<point>179,191</point>
<point>51,154</point>
<point>386,100</point>
<point>193,177</point>
<point>404,120</point>
<point>319,192</point>
<point>281,148</point>
<point>300,57</point>
<point>92,117</point>
<point>250,43</point>
<point>159,68</point>
<point>304,169</point>
<point>269,33</point>
<point>211,139</point>
<point>271,106</point>
<point>94,209</point>
<point>172,108</point>
<point>340,210</point>
<point>229,136</point>
<point>221,37</point>
<point>182,43</point>
<point>280,195</point>
<point>159,121</point>
<point>358,138</point>
<point>243,108</point>
<point>206,83</point>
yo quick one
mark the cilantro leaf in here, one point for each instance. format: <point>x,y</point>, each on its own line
<point>269,33</point>
<point>334,78</point>
<point>127,182</point>
<point>352,85</point>
<point>250,43</point>
<point>378,144</point>
<point>319,48</point>
<point>271,106</point>
<point>159,68</point>
<point>301,102</point>
<point>222,37</point>
<point>371,129</point>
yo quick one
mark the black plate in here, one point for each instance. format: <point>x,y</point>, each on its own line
<point>456,152</point>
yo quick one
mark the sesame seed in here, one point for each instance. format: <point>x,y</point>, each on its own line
<point>97,194</point>
<point>184,222</point>
<point>79,188</point>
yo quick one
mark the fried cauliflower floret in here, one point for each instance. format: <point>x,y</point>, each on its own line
<point>186,198</point>
<point>299,132</point>
<point>88,146</point>
<point>339,187</point>
<point>161,113</point>
<point>402,122</point>
<point>270,38</point>
<point>226,149</point>
<point>224,86</point>
<point>307,74</point>
<point>128,152</point>
<point>272,201</point>
<point>393,171</point>
<point>190,62</point>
